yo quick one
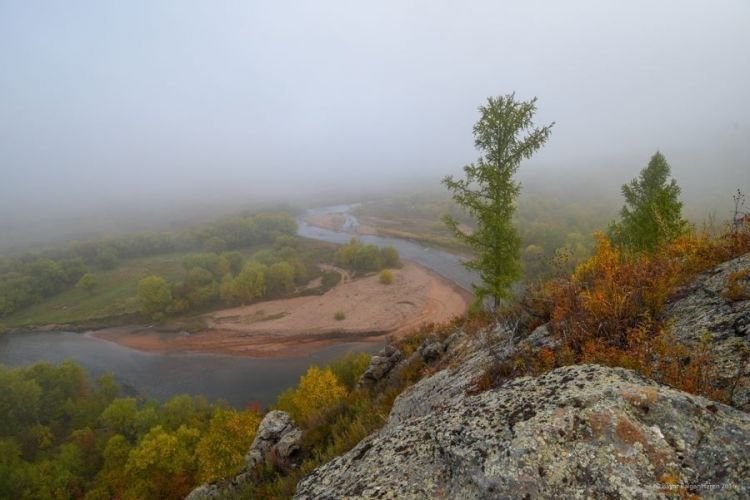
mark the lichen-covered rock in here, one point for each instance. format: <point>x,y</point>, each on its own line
<point>380,365</point>
<point>431,350</point>
<point>577,432</point>
<point>705,310</point>
<point>440,390</point>
<point>541,337</point>
<point>277,437</point>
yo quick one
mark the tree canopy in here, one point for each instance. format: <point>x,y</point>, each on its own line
<point>652,214</point>
<point>154,294</point>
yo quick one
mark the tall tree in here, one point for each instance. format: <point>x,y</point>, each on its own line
<point>155,295</point>
<point>505,135</point>
<point>652,214</point>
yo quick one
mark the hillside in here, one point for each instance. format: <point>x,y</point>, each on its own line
<point>585,428</point>
<point>508,409</point>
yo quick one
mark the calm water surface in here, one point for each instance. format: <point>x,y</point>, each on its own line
<point>236,380</point>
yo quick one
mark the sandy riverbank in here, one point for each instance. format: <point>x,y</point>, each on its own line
<point>298,326</point>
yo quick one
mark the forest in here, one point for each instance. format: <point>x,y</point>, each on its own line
<point>34,276</point>
<point>64,435</point>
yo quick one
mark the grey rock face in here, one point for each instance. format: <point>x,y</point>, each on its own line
<point>577,432</point>
<point>439,391</point>
<point>703,308</point>
<point>380,365</point>
<point>431,350</point>
<point>540,337</point>
<point>277,437</point>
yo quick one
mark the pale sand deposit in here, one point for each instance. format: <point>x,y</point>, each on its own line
<point>297,326</point>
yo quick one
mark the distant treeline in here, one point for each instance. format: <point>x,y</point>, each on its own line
<point>553,225</point>
<point>229,278</point>
<point>31,277</point>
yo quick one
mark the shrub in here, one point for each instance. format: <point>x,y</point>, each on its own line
<point>317,393</point>
<point>87,283</point>
<point>385,277</point>
<point>609,312</point>
<point>155,295</point>
<point>364,258</point>
<point>390,257</point>
<point>349,368</point>
<point>330,279</point>
<point>738,285</point>
<point>339,316</point>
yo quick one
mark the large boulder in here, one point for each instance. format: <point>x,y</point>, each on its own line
<point>577,432</point>
<point>706,310</point>
<point>277,440</point>
<point>380,366</point>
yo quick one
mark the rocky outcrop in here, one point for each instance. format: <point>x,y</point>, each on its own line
<point>439,391</point>
<point>380,366</point>
<point>277,441</point>
<point>706,311</point>
<point>582,431</point>
<point>431,350</point>
<point>466,357</point>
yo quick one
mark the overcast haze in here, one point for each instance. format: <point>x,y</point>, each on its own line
<point>139,101</point>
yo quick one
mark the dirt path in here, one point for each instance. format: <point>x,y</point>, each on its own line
<point>297,326</point>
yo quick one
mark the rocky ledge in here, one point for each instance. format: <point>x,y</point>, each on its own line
<point>708,311</point>
<point>582,431</point>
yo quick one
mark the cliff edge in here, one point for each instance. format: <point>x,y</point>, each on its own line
<point>582,431</point>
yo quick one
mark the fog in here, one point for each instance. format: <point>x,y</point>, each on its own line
<point>135,107</point>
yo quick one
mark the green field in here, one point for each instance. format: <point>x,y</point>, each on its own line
<point>114,295</point>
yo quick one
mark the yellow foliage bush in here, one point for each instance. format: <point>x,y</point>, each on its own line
<point>385,277</point>
<point>221,450</point>
<point>318,392</point>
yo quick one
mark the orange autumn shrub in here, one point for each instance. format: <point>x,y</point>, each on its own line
<point>609,312</point>
<point>609,294</point>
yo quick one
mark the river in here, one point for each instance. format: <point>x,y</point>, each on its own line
<point>446,264</point>
<point>236,380</point>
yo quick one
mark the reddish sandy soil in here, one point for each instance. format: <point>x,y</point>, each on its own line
<point>297,326</point>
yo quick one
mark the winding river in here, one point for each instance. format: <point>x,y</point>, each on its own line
<point>446,264</point>
<point>237,380</point>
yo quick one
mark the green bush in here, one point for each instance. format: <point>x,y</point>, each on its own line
<point>330,280</point>
<point>349,368</point>
<point>365,258</point>
<point>339,316</point>
<point>385,277</point>
<point>390,257</point>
